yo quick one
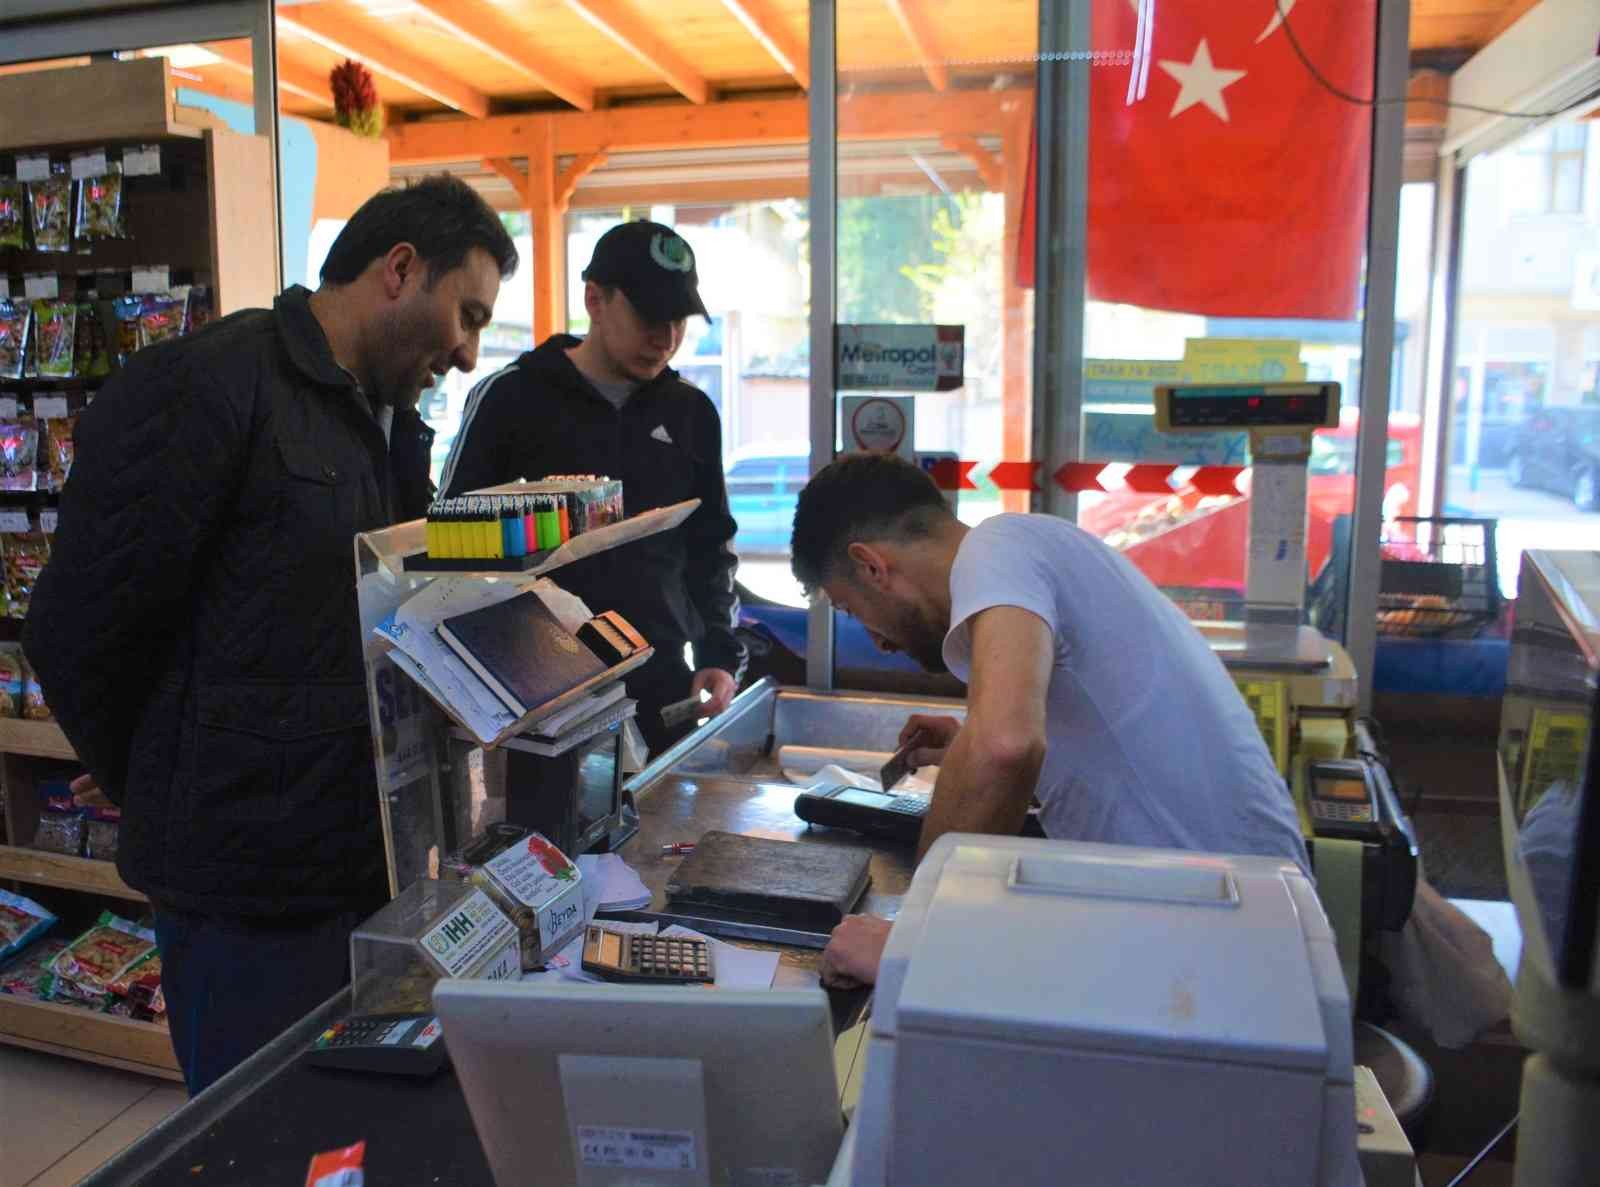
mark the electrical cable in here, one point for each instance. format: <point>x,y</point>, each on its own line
<point>1484,1153</point>
<point>1359,101</point>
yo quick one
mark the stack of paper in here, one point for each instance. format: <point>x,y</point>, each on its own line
<point>610,884</point>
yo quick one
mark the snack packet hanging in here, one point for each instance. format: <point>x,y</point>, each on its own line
<point>103,953</point>
<point>125,312</point>
<point>160,318</point>
<point>198,309</point>
<point>14,319</point>
<point>50,207</point>
<point>24,558</point>
<point>10,682</point>
<point>100,208</point>
<point>59,451</point>
<point>19,451</point>
<point>21,922</point>
<point>13,214</point>
<point>89,342</point>
<point>55,334</point>
<point>33,706</point>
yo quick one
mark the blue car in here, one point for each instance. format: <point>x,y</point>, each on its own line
<point>763,488</point>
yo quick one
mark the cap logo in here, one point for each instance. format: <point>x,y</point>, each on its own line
<point>671,253</point>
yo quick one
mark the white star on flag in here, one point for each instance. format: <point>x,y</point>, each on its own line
<point>1200,81</point>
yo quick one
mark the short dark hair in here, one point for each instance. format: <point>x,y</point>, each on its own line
<point>441,216</point>
<point>858,498</point>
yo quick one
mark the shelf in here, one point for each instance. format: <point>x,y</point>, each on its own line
<point>68,873</point>
<point>90,105</point>
<point>83,1034</point>
<point>38,739</point>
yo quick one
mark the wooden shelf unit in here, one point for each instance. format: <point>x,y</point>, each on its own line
<point>209,217</point>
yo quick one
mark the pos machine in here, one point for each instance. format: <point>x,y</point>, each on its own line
<point>1300,685</point>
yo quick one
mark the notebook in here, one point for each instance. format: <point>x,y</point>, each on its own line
<point>794,884</point>
<point>521,652</point>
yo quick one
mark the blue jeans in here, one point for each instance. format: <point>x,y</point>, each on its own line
<point>232,985</point>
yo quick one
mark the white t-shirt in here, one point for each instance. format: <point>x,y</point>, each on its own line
<point>1148,739</point>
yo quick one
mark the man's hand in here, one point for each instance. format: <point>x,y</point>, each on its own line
<point>937,734</point>
<point>851,958</point>
<point>720,684</point>
<point>86,793</point>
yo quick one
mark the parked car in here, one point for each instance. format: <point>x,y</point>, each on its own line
<point>764,483</point>
<point>1558,449</point>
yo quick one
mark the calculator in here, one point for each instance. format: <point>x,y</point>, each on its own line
<point>617,956</point>
<point>397,1044</point>
<point>874,813</point>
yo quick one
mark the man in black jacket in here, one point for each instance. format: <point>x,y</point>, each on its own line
<point>196,630</point>
<point>609,404</point>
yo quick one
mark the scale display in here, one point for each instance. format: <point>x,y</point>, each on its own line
<point>1247,406</point>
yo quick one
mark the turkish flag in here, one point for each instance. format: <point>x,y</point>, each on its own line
<point>1223,178</point>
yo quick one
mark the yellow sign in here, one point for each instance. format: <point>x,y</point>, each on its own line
<point>1555,754</point>
<point>1133,370</point>
<point>1269,705</point>
<point>1242,360</point>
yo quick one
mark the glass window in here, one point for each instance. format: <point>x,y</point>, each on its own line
<point>1523,407</point>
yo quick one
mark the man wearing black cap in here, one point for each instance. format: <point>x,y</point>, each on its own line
<point>609,404</point>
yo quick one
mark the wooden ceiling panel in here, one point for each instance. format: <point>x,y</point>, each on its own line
<point>965,36</point>
<point>309,55</point>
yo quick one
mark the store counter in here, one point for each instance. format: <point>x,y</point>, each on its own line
<point>264,1121</point>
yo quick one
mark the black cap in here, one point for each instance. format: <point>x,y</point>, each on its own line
<point>653,265</point>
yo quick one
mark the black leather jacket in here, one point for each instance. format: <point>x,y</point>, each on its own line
<point>196,630</point>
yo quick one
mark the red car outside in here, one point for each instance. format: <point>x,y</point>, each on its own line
<point>1193,541</point>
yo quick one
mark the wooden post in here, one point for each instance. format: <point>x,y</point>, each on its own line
<point>549,246</point>
<point>1016,412</point>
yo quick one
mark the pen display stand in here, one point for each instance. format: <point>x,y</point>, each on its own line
<point>436,786</point>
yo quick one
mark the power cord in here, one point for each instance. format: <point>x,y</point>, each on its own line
<point>1484,1153</point>
<point>1360,101</point>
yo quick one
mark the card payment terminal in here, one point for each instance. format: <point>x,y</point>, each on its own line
<point>874,813</point>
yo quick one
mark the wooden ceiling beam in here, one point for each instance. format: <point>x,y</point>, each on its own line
<point>567,180</point>
<point>990,167</point>
<point>766,26</point>
<point>293,78</point>
<point>681,125</point>
<point>482,26</point>
<point>623,25</point>
<point>1512,12</point>
<point>516,178</point>
<point>919,31</point>
<point>1427,91</point>
<point>333,32</point>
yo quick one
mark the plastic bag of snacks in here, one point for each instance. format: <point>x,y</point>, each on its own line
<point>55,333</point>
<point>198,308</point>
<point>11,667</point>
<point>104,953</point>
<point>100,208</point>
<point>90,356</point>
<point>50,206</point>
<point>19,451</point>
<point>21,922</point>
<point>33,706</point>
<point>24,558</point>
<point>100,839</point>
<point>125,312</point>
<point>61,822</point>
<point>14,319</point>
<point>59,450</point>
<point>160,318</point>
<point>13,214</point>
<point>27,974</point>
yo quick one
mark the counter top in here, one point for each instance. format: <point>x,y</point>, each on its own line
<point>265,1120</point>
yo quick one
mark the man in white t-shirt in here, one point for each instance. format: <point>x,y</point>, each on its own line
<point>1086,688</point>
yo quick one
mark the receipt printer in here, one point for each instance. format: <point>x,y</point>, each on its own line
<point>1051,1012</point>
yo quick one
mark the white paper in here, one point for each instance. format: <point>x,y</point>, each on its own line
<point>141,161</point>
<point>50,407</point>
<point>89,164</point>
<point>15,521</point>
<point>33,168</point>
<point>8,408</point>
<point>612,884</point>
<point>157,279</point>
<point>41,286</point>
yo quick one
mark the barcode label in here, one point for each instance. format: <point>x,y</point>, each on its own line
<point>15,521</point>
<point>50,407</point>
<point>636,1149</point>
<point>152,280</point>
<point>41,286</point>
<point>141,161</point>
<point>89,164</point>
<point>33,168</point>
